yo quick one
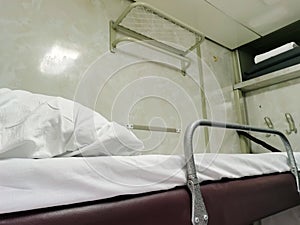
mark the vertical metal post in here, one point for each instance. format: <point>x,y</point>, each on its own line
<point>239,102</point>
<point>112,36</point>
<point>203,98</point>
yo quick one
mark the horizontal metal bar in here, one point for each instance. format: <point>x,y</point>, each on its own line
<point>141,37</point>
<point>186,62</point>
<point>153,128</point>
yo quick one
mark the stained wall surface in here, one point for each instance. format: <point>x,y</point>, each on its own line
<point>61,48</point>
<point>274,102</point>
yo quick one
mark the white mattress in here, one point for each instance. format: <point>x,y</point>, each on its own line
<point>37,183</point>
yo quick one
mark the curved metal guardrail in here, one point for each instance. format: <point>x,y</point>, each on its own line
<point>199,213</point>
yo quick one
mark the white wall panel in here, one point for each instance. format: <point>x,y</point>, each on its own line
<point>52,47</point>
<point>274,102</point>
<point>46,45</point>
<point>218,68</point>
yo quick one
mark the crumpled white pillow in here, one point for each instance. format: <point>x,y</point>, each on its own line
<point>40,126</point>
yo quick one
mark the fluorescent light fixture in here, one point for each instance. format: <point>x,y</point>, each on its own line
<point>58,59</point>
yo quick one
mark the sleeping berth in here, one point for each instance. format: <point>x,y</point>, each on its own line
<point>44,181</point>
<point>40,183</point>
<point>237,189</point>
<point>144,189</point>
<point>28,184</point>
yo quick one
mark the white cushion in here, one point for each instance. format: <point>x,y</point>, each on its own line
<point>40,126</point>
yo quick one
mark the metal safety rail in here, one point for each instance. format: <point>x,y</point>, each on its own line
<point>199,213</point>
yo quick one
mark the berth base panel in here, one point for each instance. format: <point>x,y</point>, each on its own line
<point>230,202</point>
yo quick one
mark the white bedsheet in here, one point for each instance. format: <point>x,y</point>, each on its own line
<point>36,183</point>
<point>39,126</point>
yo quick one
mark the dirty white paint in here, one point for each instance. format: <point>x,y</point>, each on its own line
<point>46,45</point>
<point>53,46</point>
<point>218,67</point>
<point>274,102</point>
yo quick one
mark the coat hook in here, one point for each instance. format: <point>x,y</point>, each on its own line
<point>269,123</point>
<point>292,127</point>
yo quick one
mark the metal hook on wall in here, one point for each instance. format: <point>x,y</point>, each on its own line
<point>292,126</point>
<point>269,123</point>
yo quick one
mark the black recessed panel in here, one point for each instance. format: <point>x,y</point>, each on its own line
<point>249,69</point>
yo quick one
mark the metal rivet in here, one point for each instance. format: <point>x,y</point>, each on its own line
<point>197,220</point>
<point>205,217</point>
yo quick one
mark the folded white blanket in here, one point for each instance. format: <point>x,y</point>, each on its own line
<point>274,52</point>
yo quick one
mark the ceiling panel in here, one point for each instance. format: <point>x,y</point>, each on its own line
<point>261,16</point>
<point>208,20</point>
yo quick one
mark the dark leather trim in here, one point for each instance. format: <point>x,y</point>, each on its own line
<point>229,202</point>
<point>241,202</point>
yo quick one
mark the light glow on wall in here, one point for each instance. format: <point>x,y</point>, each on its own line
<point>58,59</point>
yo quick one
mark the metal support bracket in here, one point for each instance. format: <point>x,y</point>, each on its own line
<point>199,213</point>
<point>136,34</point>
